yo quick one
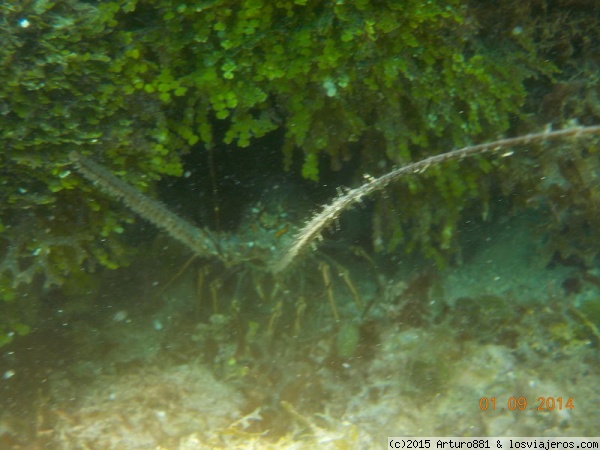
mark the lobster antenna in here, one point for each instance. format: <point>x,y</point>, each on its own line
<point>197,239</point>
<point>329,213</point>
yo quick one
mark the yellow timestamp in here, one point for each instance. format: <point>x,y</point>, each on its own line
<point>521,404</point>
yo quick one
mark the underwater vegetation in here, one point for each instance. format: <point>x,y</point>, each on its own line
<point>137,85</point>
